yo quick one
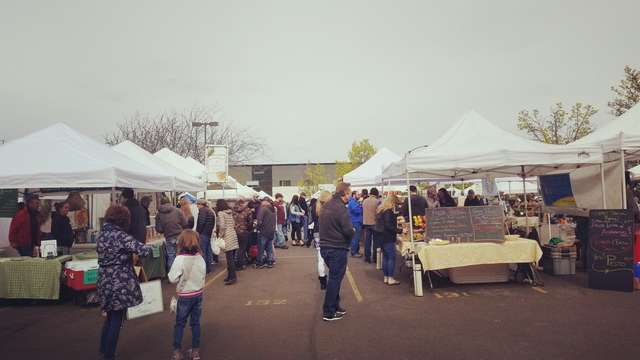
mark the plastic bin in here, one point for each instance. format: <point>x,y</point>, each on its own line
<point>564,266</point>
<point>81,275</point>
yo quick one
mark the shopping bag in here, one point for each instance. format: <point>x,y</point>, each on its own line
<point>217,245</point>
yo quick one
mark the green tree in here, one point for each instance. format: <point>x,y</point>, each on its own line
<point>561,126</point>
<point>360,152</point>
<point>314,175</point>
<point>627,93</point>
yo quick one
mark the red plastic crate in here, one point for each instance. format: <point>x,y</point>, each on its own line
<point>76,280</point>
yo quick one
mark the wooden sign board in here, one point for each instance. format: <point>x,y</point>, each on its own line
<point>469,224</point>
<point>611,250</point>
<point>8,203</point>
<point>151,301</point>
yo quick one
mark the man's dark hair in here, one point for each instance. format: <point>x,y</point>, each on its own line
<point>119,216</point>
<point>127,193</point>
<point>165,200</point>
<point>279,196</point>
<point>374,192</point>
<point>413,188</point>
<point>365,192</point>
<point>222,205</point>
<point>342,188</point>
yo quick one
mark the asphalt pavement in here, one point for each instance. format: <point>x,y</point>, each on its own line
<point>276,314</point>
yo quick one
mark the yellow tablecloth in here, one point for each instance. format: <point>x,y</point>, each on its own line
<point>437,257</point>
<point>404,247</point>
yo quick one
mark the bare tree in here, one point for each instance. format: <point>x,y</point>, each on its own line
<point>173,130</point>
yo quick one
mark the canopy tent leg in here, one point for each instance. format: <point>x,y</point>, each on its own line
<point>604,193</point>
<point>526,205</point>
<point>417,272</point>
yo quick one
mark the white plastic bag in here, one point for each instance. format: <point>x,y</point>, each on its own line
<point>217,245</point>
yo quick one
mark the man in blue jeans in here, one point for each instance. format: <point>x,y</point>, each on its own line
<point>266,226</point>
<point>336,232</point>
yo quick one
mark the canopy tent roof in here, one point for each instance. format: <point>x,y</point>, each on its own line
<point>182,181</point>
<point>622,132</point>
<point>474,148</point>
<point>60,157</point>
<point>240,191</point>
<point>370,173</point>
<point>181,163</point>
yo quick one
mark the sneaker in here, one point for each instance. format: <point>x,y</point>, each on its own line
<point>177,355</point>
<point>269,266</point>
<point>258,266</point>
<point>356,255</point>
<point>333,317</point>
<point>231,282</point>
<point>340,311</point>
<point>284,247</point>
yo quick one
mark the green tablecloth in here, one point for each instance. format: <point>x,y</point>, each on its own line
<point>31,278</point>
<point>88,255</point>
<point>154,265</point>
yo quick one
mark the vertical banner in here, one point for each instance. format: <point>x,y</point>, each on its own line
<point>217,163</point>
<point>556,190</point>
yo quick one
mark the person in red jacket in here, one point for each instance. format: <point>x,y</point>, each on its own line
<point>24,231</point>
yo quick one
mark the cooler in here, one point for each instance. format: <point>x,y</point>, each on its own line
<point>81,274</point>
<point>479,274</point>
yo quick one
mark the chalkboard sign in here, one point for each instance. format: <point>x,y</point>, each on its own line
<point>8,203</point>
<point>469,224</point>
<point>611,250</point>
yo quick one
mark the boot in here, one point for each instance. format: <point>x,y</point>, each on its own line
<point>323,282</point>
<point>386,279</point>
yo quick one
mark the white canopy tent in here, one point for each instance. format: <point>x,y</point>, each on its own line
<point>60,157</point>
<point>620,133</point>
<point>182,181</point>
<point>181,163</point>
<point>370,173</point>
<point>475,148</point>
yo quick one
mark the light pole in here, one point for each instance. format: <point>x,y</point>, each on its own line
<point>197,124</point>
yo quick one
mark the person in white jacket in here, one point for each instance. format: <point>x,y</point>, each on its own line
<point>189,271</point>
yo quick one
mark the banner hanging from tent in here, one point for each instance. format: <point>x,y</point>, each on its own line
<point>557,191</point>
<point>217,163</point>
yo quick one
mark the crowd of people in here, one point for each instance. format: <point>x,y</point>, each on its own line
<point>337,225</point>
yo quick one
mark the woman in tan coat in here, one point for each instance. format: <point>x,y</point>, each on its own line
<point>227,230</point>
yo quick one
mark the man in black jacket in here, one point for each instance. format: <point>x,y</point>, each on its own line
<point>205,226</point>
<point>138,227</point>
<point>336,231</point>
<point>418,204</point>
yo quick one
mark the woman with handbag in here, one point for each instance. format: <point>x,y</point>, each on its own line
<point>295,217</point>
<point>118,287</point>
<point>189,271</point>
<point>227,231</point>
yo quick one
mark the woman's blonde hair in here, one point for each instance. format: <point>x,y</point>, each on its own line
<point>389,202</point>
<point>322,199</point>
<point>189,242</point>
<point>185,207</point>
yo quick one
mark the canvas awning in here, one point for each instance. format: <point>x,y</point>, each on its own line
<point>475,148</point>
<point>60,157</point>
<point>182,181</point>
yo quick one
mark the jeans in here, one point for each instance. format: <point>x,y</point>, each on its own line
<point>243,245</point>
<point>110,333</point>
<point>388,258</point>
<point>368,241</point>
<point>188,308</point>
<point>296,231</point>
<point>171,246</point>
<point>305,229</point>
<point>207,253</point>
<point>355,241</point>
<point>265,244</point>
<point>336,260</point>
<point>280,236</point>
<point>231,264</point>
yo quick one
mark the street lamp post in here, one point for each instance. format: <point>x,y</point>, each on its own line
<point>197,124</point>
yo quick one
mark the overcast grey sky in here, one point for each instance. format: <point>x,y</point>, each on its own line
<point>310,76</point>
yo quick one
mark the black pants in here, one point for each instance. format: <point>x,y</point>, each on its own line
<point>110,333</point>
<point>296,231</point>
<point>25,250</point>
<point>243,243</point>
<point>231,264</point>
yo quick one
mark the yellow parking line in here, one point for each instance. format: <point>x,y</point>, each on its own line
<point>540,290</point>
<point>352,282</point>
<point>215,278</point>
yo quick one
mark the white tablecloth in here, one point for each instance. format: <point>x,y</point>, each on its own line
<point>437,257</point>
